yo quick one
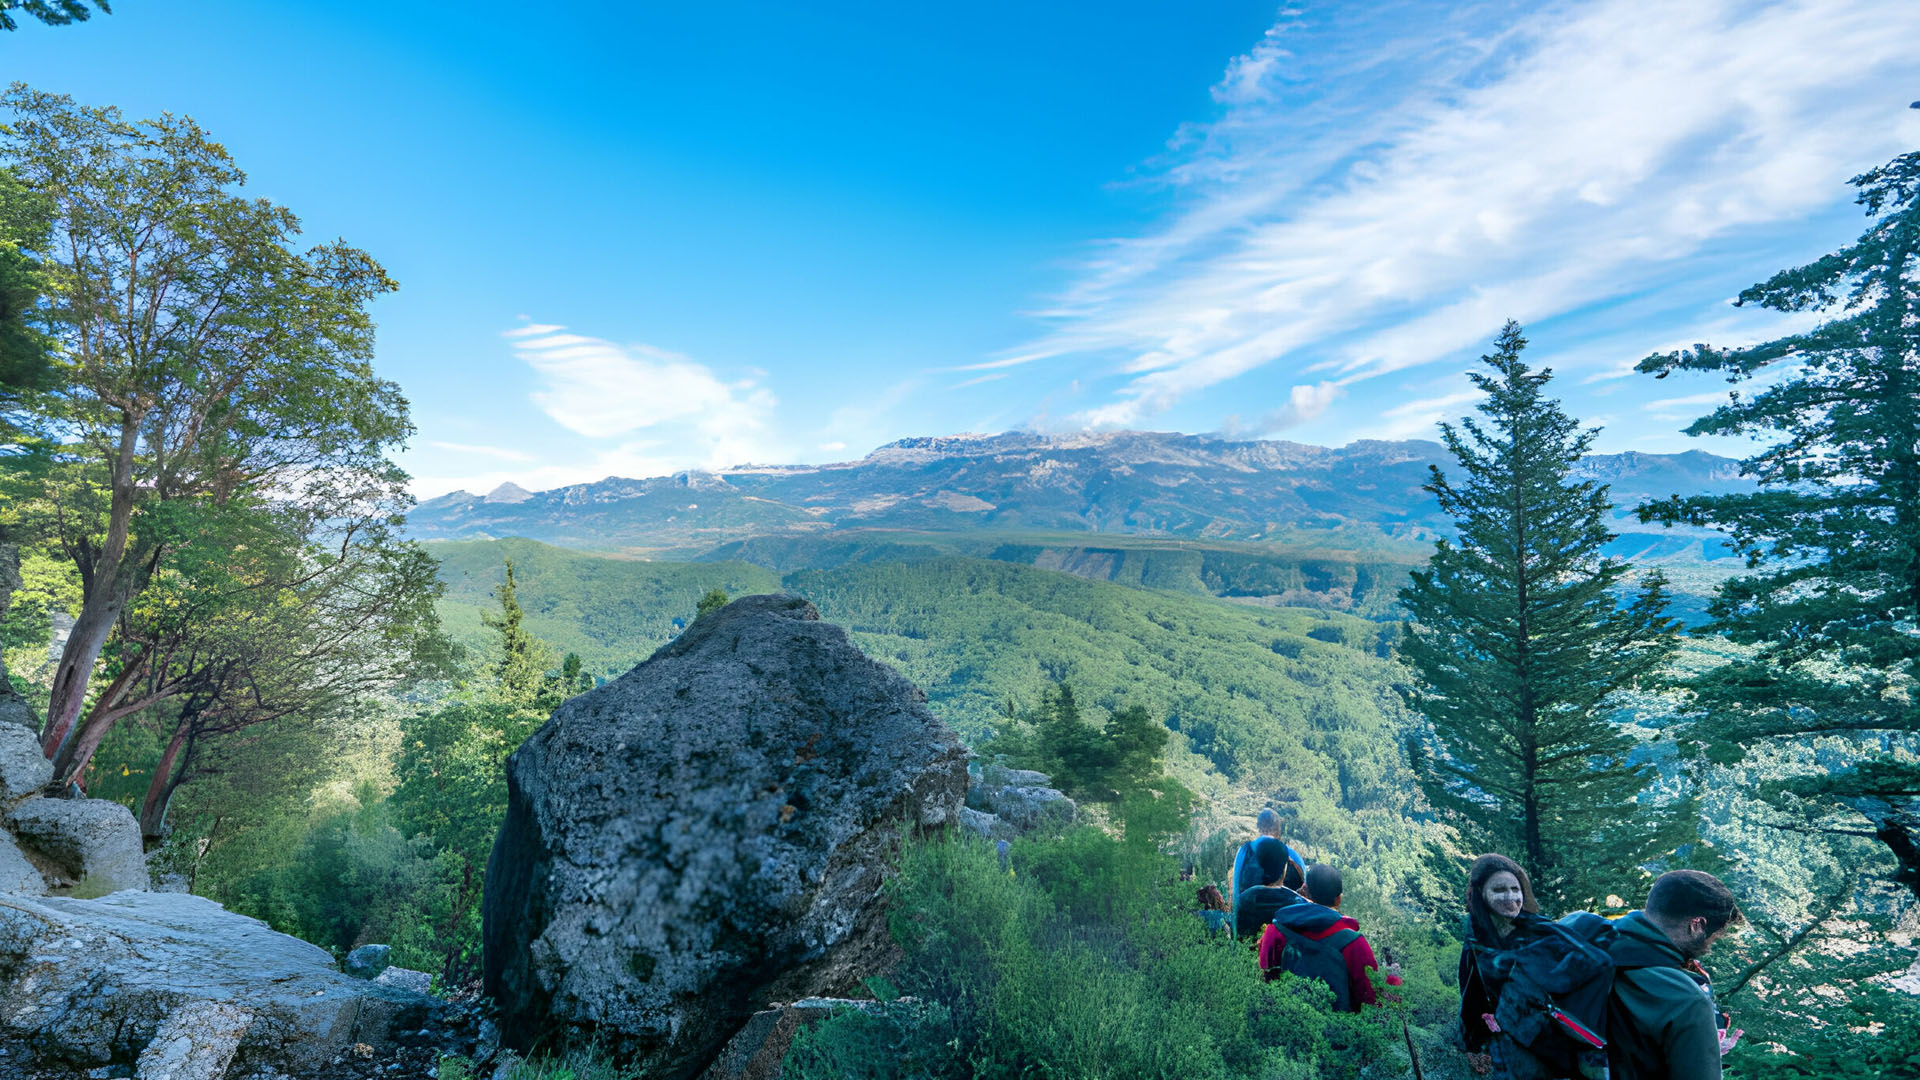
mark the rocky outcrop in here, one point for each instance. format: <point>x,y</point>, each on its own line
<point>1003,803</point>
<point>760,1048</point>
<point>90,840</point>
<point>180,987</point>
<point>707,834</point>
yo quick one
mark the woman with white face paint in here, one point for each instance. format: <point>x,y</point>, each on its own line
<point>1498,892</point>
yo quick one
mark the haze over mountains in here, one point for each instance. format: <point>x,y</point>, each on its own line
<point>1139,484</point>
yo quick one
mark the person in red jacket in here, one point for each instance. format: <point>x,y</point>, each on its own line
<point>1313,940</point>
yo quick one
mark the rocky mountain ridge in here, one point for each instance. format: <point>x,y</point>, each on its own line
<point>1130,483</point>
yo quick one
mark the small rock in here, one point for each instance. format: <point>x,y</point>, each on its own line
<point>368,961</point>
<point>418,982</point>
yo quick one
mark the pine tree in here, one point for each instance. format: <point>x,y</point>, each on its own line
<point>714,600</point>
<point>1832,605</point>
<point>1518,642</point>
<point>520,676</point>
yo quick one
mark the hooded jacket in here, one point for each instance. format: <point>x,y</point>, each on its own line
<point>1317,922</point>
<point>1662,1023</point>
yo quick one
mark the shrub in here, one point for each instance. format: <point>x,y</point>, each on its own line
<point>1079,960</point>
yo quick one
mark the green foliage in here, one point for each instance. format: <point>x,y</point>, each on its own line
<point>50,12</point>
<point>1832,539</point>
<point>520,675</point>
<point>1518,642</point>
<point>1081,961</point>
<point>714,600</point>
<point>613,613</point>
<point>584,1064</point>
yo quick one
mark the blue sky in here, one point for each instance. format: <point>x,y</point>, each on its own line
<point>635,238</point>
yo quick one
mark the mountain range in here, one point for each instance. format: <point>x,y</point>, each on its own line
<point>1139,484</point>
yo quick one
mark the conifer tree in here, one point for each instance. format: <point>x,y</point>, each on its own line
<point>1832,605</point>
<point>1518,640</point>
<point>520,677</point>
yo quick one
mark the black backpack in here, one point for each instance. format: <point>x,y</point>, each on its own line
<point>1323,960</point>
<point>1553,988</point>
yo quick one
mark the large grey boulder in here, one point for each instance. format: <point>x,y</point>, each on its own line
<point>85,839</point>
<point>708,833</point>
<point>24,770</point>
<point>181,987</point>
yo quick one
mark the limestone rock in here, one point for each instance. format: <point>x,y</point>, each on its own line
<point>18,875</point>
<point>707,833</point>
<point>84,838</point>
<point>367,961</point>
<point>24,770</point>
<point>1021,799</point>
<point>417,982</point>
<point>195,1042</point>
<point>161,979</point>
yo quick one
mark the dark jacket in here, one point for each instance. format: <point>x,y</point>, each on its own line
<point>1254,909</point>
<point>1661,1020</point>
<point>1317,923</point>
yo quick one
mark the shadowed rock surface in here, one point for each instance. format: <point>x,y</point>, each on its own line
<point>707,834</point>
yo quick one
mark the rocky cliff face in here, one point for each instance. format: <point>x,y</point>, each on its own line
<point>708,834</point>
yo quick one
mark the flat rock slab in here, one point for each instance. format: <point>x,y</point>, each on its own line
<point>174,983</point>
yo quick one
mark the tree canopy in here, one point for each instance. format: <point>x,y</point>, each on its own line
<point>1831,606</point>
<point>204,369</point>
<point>1518,641</point>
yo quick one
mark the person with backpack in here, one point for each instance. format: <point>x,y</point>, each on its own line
<point>1255,905</point>
<point>1314,941</point>
<point>1498,893</point>
<point>1266,823</point>
<point>1214,911</point>
<point>1662,1023</point>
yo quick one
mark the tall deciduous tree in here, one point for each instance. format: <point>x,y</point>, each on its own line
<point>205,366</point>
<point>1832,605</point>
<point>1518,641</point>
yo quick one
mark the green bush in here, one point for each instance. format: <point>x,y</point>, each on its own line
<point>1078,960</point>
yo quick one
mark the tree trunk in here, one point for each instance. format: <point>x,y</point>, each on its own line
<point>84,642</point>
<point>104,591</point>
<point>72,758</point>
<point>166,778</point>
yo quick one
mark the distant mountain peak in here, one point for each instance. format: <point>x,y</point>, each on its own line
<point>509,492</point>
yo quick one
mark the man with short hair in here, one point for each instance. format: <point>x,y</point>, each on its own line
<point>1662,1023</point>
<point>1266,823</point>
<point>1314,941</point>
<point>1255,904</point>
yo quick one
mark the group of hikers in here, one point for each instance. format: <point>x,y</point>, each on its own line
<point>1578,998</point>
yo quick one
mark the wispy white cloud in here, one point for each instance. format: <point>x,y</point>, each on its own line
<point>1377,196</point>
<point>1304,403</point>
<point>471,450</point>
<point>637,410</point>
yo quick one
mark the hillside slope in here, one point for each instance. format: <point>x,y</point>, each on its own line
<point>1292,704</point>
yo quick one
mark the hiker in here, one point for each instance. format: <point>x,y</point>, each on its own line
<point>1498,893</point>
<point>1214,911</point>
<point>1266,823</point>
<point>1255,905</point>
<point>1314,941</point>
<point>1662,1023</point>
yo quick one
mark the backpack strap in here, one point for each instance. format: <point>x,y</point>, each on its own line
<point>1340,939</point>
